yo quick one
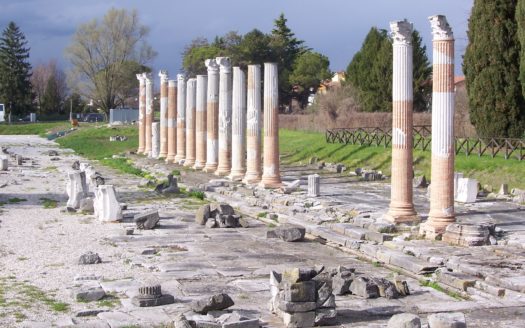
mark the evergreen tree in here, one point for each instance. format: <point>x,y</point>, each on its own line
<point>15,71</point>
<point>491,67</point>
<point>422,74</point>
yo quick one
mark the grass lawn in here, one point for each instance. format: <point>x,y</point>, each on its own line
<point>42,129</point>
<point>297,146</point>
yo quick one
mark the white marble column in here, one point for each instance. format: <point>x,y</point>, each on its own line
<point>253,142</point>
<point>155,140</point>
<point>401,204</point>
<point>443,149</point>
<point>200,124</point>
<point>212,116</point>
<point>163,114</point>
<point>191,90</point>
<point>142,112</point>
<point>149,113</point>
<point>225,116</point>
<point>181,119</point>
<point>314,185</point>
<point>271,177</point>
<point>172,121</point>
<point>238,147</point>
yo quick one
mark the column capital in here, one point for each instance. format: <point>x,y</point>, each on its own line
<point>181,78</point>
<point>163,74</point>
<point>141,78</point>
<point>172,83</point>
<point>401,32</point>
<point>225,64</point>
<point>441,30</point>
<point>211,65</point>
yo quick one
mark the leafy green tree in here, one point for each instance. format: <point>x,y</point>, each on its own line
<point>15,71</point>
<point>491,67</point>
<point>254,48</point>
<point>310,69</point>
<point>193,62</point>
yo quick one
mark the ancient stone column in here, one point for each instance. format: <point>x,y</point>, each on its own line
<point>401,204</point>
<point>253,142</point>
<point>76,188</point>
<point>181,119</point>
<point>442,169</point>
<point>155,140</point>
<point>106,205</point>
<point>142,112</point>
<point>149,113</point>
<point>238,125</point>
<point>225,116</point>
<point>271,177</point>
<point>212,116</point>
<point>172,121</point>
<point>314,185</point>
<point>163,114</point>
<point>191,89</point>
<point>200,124</point>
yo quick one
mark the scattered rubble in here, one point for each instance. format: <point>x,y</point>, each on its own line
<point>89,258</point>
<point>147,220</point>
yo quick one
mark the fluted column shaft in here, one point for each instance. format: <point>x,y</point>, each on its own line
<point>200,124</point>
<point>155,140</point>
<point>142,112</point>
<point>163,152</point>
<point>191,89</point>
<point>442,169</point>
<point>181,118</point>
<point>212,116</point>
<point>149,114</point>
<point>238,125</point>
<point>253,139</point>
<point>271,177</point>
<point>172,121</point>
<point>401,198</point>
<point>225,116</point>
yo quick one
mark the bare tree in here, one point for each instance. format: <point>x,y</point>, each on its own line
<point>101,53</point>
<point>43,73</point>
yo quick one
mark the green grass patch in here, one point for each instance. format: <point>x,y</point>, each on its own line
<point>196,194</point>
<point>123,165</point>
<point>300,146</point>
<point>16,200</point>
<point>175,173</point>
<point>41,129</point>
<point>49,203</point>
<point>262,214</point>
<point>436,286</point>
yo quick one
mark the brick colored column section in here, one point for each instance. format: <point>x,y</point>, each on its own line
<point>163,114</point>
<point>401,199</point>
<point>181,119</point>
<point>142,112</point>
<point>253,138</point>
<point>200,124</point>
<point>238,125</point>
<point>271,177</point>
<point>172,121</point>
<point>149,114</point>
<point>225,116</point>
<point>442,175</point>
<point>191,89</point>
<point>212,116</point>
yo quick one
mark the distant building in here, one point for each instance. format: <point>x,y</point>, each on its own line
<point>2,113</point>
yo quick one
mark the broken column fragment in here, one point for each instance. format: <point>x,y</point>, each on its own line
<point>76,188</point>
<point>106,205</point>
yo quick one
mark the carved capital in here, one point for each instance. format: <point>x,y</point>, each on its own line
<point>163,76</point>
<point>141,77</point>
<point>225,63</point>
<point>440,28</point>
<point>212,65</point>
<point>181,78</point>
<point>401,32</point>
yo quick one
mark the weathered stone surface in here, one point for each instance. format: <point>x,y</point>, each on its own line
<point>299,319</point>
<point>154,301</point>
<point>215,302</point>
<point>88,293</point>
<point>386,288</point>
<point>401,286</point>
<point>89,258</point>
<point>202,215</point>
<point>147,220</point>
<point>299,292</point>
<point>329,303</point>
<point>86,205</point>
<point>420,182</point>
<point>211,223</point>
<point>252,323</point>
<point>447,320</point>
<point>89,313</point>
<point>454,279</point>
<point>293,307</point>
<point>341,280</point>
<point>106,205</point>
<point>287,233</point>
<point>76,188</point>
<point>180,321</point>
<point>364,287</point>
<point>404,320</point>
<point>467,234</point>
<point>325,317</point>
<point>221,208</point>
<point>4,163</point>
<point>294,275</point>
<point>467,190</point>
<point>324,292</point>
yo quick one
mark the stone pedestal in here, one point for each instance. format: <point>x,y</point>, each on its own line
<point>142,112</point>
<point>172,121</point>
<point>155,140</point>
<point>401,208</point>
<point>76,188</point>
<point>149,114</point>
<point>253,142</point>
<point>4,163</point>
<point>181,118</point>
<point>212,116</point>
<point>200,124</point>
<point>314,185</point>
<point>225,116</point>
<point>271,177</point>
<point>191,89</point>
<point>238,125</point>
<point>163,114</point>
<point>107,208</point>
<point>443,150</point>
<point>467,190</point>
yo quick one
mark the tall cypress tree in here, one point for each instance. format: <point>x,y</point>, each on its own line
<point>520,20</point>
<point>491,67</point>
<point>15,71</point>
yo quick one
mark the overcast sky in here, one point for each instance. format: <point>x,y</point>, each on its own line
<point>335,28</point>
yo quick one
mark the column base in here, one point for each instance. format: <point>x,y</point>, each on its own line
<point>198,165</point>
<point>236,175</point>
<point>271,182</point>
<point>430,232</point>
<point>140,150</point>
<point>221,172</point>
<point>163,155</point>
<point>170,159</point>
<point>210,168</point>
<point>189,162</point>
<point>179,158</point>
<point>402,214</point>
<point>251,178</point>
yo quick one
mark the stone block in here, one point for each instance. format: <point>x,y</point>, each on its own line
<point>288,233</point>
<point>106,205</point>
<point>296,275</point>
<point>299,292</point>
<point>467,190</point>
<point>404,320</point>
<point>364,287</point>
<point>147,220</point>
<point>299,319</point>
<point>386,288</point>
<point>221,208</point>
<point>211,223</point>
<point>325,317</point>
<point>324,291</point>
<point>89,258</point>
<point>293,307</point>
<point>467,234</point>
<point>355,232</point>
<point>212,303</point>
<point>76,188</point>
<point>329,303</point>
<point>4,163</point>
<point>164,299</point>
<point>447,320</point>
<point>456,280</point>
<point>88,293</point>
